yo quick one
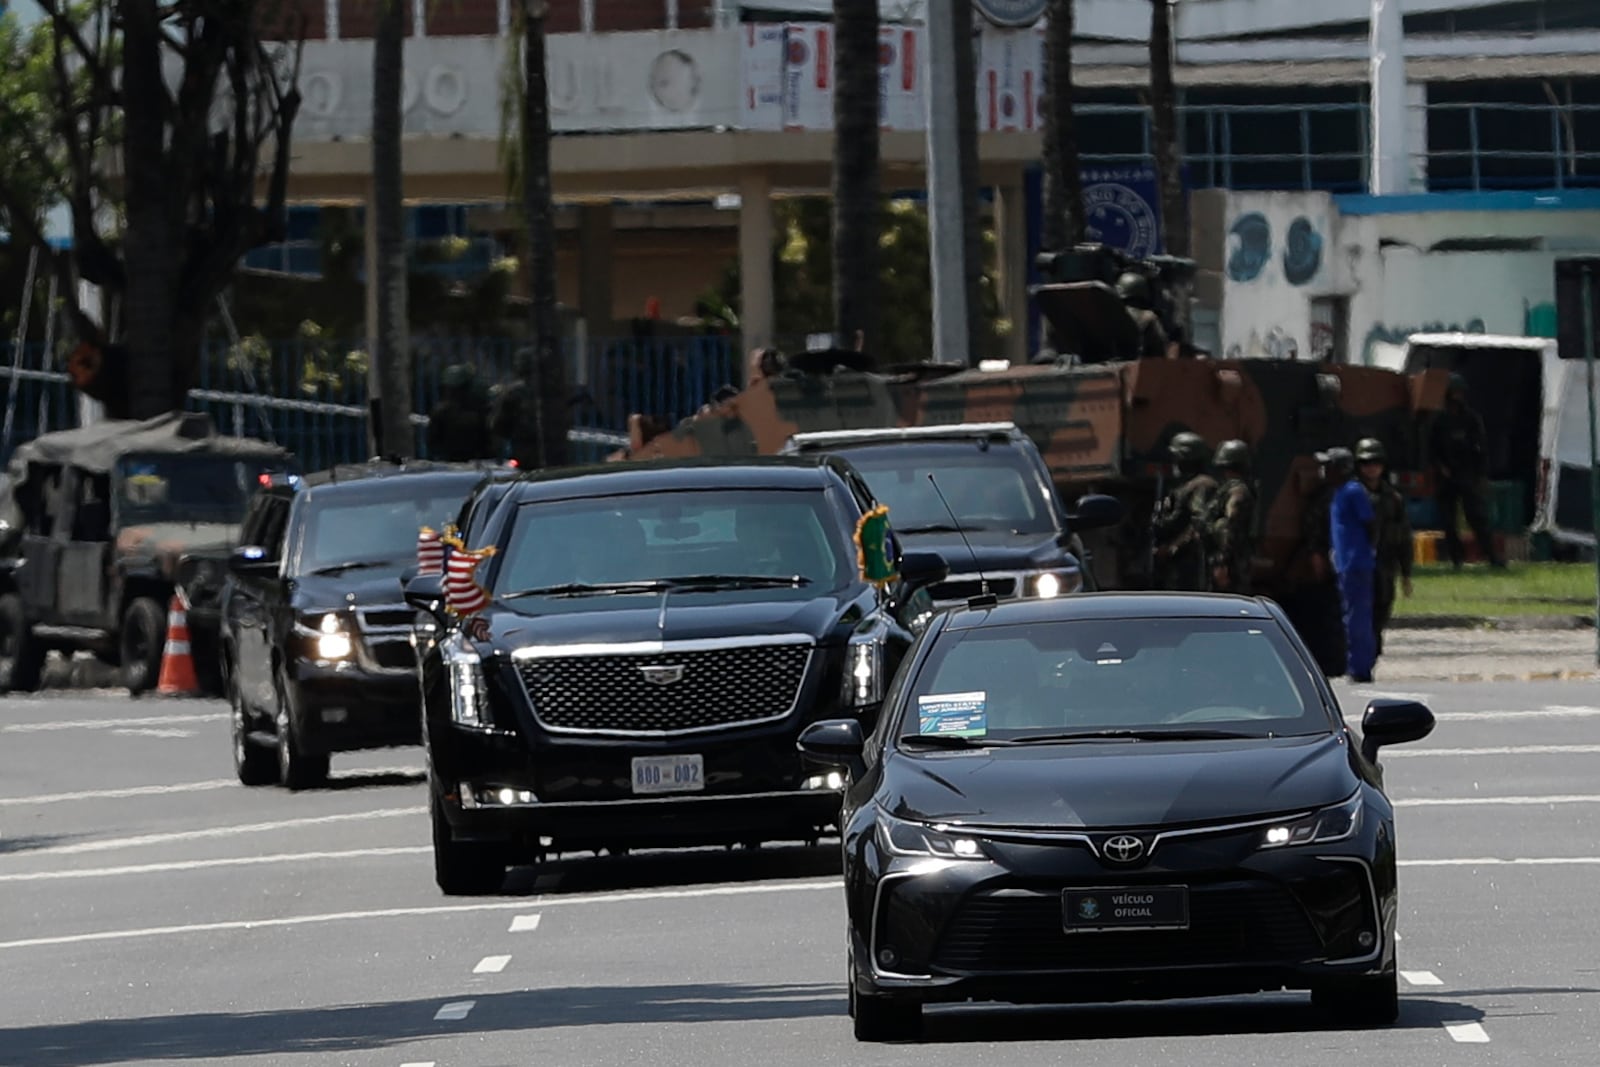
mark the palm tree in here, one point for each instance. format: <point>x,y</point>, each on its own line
<point>548,390</point>
<point>1063,182</point>
<point>390,349</point>
<point>1164,121</point>
<point>856,208</point>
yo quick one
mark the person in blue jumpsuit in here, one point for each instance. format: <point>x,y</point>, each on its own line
<point>1355,561</point>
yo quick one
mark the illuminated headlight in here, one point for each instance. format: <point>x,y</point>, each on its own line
<point>832,781</point>
<point>863,668</point>
<point>468,705</point>
<point>328,637</point>
<point>902,838</point>
<point>1055,583</point>
<point>1330,824</point>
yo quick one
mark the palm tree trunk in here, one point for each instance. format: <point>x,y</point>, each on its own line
<point>1165,135</point>
<point>966,75</point>
<point>392,433</point>
<point>857,218</point>
<point>549,391</point>
<point>1063,182</point>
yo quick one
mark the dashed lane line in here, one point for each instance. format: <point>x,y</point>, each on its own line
<point>418,1063</point>
<point>51,725</point>
<point>68,874</point>
<point>829,885</point>
<point>491,965</point>
<point>1468,802</point>
<point>1494,750</point>
<point>1468,1033</point>
<point>1491,861</point>
<point>206,786</point>
<point>165,733</point>
<point>1421,978</point>
<point>1514,715</point>
<point>142,840</point>
<point>523,924</point>
<point>454,1012</point>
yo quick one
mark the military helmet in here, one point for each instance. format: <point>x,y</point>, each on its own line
<point>1371,450</point>
<point>1338,460</point>
<point>1457,386</point>
<point>1134,289</point>
<point>457,375</point>
<point>1188,447</point>
<point>1233,454</point>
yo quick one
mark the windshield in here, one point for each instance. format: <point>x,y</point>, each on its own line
<point>375,528</point>
<point>185,488</point>
<point>992,489</point>
<point>651,536</point>
<point>1199,676</point>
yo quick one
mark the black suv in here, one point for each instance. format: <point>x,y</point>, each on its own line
<point>658,636</point>
<point>1017,535</point>
<point>317,639</point>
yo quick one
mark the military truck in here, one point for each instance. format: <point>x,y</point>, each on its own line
<point>1103,426</point>
<point>103,524</point>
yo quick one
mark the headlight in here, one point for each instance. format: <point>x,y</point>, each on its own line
<point>1055,583</point>
<point>902,838</point>
<point>468,705</point>
<point>327,635</point>
<point>1329,824</point>
<point>863,667</point>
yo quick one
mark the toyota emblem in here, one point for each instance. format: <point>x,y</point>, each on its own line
<point>1124,848</point>
<point>663,675</point>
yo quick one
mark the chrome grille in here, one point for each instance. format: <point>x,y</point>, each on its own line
<point>611,692</point>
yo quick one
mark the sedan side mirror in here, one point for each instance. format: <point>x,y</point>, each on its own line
<point>834,743</point>
<point>918,569</point>
<point>1393,722</point>
<point>426,593</point>
<point>1096,511</point>
<point>250,561</point>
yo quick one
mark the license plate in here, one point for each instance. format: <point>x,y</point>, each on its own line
<point>669,774</point>
<point>1145,907</point>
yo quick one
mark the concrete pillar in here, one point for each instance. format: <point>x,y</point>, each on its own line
<point>1011,262</point>
<point>596,250</point>
<point>1391,159</point>
<point>756,232</point>
<point>1417,135</point>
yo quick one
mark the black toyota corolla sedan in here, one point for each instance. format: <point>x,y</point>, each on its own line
<point>1115,797</point>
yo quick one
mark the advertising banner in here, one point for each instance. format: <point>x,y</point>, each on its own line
<point>761,66</point>
<point>1010,78</point>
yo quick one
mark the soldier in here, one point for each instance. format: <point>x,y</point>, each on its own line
<point>1135,292</point>
<point>458,424</point>
<point>1322,620</point>
<point>1178,527</point>
<point>1393,535</point>
<point>1232,526</point>
<point>1351,532</point>
<point>510,423</point>
<point>1460,449</point>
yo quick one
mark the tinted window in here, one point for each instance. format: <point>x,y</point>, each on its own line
<point>993,488</point>
<point>665,535</point>
<point>1231,674</point>
<point>184,488</point>
<point>377,525</point>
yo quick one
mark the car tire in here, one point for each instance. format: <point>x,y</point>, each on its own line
<point>254,764</point>
<point>21,655</point>
<point>143,641</point>
<point>882,1018</point>
<point>1364,1001</point>
<point>297,768</point>
<point>462,868</point>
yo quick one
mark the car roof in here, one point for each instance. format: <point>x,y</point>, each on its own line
<point>1110,606</point>
<point>953,432</point>
<point>379,482</point>
<point>652,476</point>
<point>355,473</point>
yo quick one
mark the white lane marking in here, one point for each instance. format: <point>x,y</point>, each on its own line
<point>1467,802</point>
<point>1468,1033</point>
<point>1491,861</point>
<point>394,913</point>
<point>491,965</point>
<point>101,724</point>
<point>523,924</point>
<point>208,785</point>
<point>420,1063</point>
<point>1495,750</point>
<point>153,732</point>
<point>224,831</point>
<point>455,1012</point>
<point>1421,978</point>
<point>1554,712</point>
<point>68,874</point>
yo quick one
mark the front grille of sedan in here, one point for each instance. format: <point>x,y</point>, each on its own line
<point>1021,930</point>
<point>612,693</point>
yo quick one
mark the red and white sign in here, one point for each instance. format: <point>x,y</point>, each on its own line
<point>1010,80</point>
<point>761,67</point>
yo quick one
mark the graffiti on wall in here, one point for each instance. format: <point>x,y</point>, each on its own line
<point>1302,252</point>
<point>1396,335</point>
<point>1276,343</point>
<point>1250,249</point>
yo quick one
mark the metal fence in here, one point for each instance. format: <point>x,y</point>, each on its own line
<point>310,394</point>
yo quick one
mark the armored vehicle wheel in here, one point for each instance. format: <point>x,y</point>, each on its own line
<point>463,868</point>
<point>297,768</point>
<point>143,640</point>
<point>255,764</point>
<point>21,656</point>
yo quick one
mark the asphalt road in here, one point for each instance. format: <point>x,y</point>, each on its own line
<point>154,911</point>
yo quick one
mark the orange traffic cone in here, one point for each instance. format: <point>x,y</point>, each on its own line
<point>178,676</point>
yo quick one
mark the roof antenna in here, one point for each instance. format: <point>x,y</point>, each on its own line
<point>985,599</point>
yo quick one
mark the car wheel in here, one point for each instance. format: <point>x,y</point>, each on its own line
<point>254,764</point>
<point>462,868</point>
<point>297,768</point>
<point>143,640</point>
<point>1365,1001</point>
<point>21,656</point>
<point>880,1018</point>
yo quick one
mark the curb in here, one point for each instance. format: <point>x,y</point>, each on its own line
<point>1530,676</point>
<point>1492,622</point>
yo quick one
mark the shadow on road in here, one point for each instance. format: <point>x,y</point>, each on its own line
<point>654,870</point>
<point>33,842</point>
<point>349,780</point>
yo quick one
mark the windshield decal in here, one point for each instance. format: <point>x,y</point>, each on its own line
<point>953,714</point>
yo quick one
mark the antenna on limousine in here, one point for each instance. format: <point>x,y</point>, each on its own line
<point>985,599</point>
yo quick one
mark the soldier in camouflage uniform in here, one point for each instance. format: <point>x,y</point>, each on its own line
<point>1460,457</point>
<point>458,424</point>
<point>510,423</point>
<point>1394,534</point>
<point>1135,292</point>
<point>1179,524</point>
<point>1233,521</point>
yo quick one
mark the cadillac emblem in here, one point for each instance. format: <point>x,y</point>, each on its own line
<point>663,675</point>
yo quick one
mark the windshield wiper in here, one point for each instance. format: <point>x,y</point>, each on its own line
<point>937,527</point>
<point>354,565</point>
<point>586,589</point>
<point>951,741</point>
<point>735,581</point>
<point>1137,735</point>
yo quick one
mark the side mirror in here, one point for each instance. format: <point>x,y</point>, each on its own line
<point>1096,511</point>
<point>918,569</point>
<point>426,593</point>
<point>250,561</point>
<point>1393,722</point>
<point>833,743</point>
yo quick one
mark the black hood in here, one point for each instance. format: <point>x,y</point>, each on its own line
<point>1120,785</point>
<point>356,588</point>
<point>994,550</point>
<point>688,617</point>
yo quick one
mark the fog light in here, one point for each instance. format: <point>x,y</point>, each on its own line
<point>888,957</point>
<point>832,780</point>
<point>1366,940</point>
<point>965,846</point>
